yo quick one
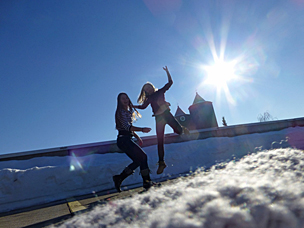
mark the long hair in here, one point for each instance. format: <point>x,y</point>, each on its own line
<point>143,96</point>
<point>135,114</point>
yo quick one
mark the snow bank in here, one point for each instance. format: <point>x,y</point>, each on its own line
<point>263,190</point>
<point>40,180</point>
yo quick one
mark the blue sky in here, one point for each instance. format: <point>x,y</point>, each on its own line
<point>63,63</point>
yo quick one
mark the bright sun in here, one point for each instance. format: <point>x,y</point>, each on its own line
<point>220,73</point>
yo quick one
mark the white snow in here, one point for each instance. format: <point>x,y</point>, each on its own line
<point>256,180</point>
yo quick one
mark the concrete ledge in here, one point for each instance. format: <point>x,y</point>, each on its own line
<point>111,147</point>
<point>235,130</point>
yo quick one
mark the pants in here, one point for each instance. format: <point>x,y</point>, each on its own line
<point>161,121</point>
<point>134,151</point>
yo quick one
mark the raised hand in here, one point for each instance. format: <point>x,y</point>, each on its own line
<point>168,74</point>
<point>166,69</point>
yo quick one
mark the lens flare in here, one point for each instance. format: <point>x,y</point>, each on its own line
<point>75,164</point>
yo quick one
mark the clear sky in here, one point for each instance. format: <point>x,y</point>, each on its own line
<point>63,63</point>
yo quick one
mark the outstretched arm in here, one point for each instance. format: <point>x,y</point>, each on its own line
<point>143,106</point>
<point>168,74</point>
<point>137,106</point>
<point>142,129</point>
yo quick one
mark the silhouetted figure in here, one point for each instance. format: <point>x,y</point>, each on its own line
<point>160,107</point>
<point>124,116</point>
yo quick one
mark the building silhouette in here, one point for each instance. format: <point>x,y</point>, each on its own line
<point>201,115</point>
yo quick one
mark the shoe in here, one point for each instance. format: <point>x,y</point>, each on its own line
<point>118,179</point>
<point>161,166</point>
<point>117,182</point>
<point>148,184</point>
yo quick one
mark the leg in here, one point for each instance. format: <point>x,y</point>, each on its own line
<point>118,179</point>
<point>147,183</point>
<point>139,157</point>
<point>160,132</point>
<point>173,123</point>
<point>136,154</point>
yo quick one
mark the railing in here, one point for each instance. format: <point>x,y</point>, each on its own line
<point>111,147</point>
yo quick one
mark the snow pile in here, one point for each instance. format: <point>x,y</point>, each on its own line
<point>261,190</point>
<point>40,180</point>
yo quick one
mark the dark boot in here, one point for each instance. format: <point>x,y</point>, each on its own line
<point>118,179</point>
<point>147,183</point>
<point>161,166</point>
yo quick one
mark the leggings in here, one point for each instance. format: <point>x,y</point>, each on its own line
<point>161,121</point>
<point>134,151</point>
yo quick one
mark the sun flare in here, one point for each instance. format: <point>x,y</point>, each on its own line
<point>220,73</point>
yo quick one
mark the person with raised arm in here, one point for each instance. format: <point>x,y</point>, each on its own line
<point>161,111</point>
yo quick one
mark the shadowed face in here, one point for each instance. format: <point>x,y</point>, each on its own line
<point>148,89</point>
<point>124,101</point>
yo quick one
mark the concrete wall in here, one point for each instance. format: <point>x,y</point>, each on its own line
<point>111,147</point>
